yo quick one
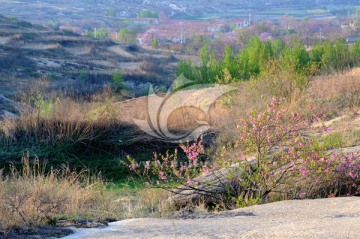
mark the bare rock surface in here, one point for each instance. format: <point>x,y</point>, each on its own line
<point>321,218</point>
<point>6,103</point>
<point>4,114</point>
<point>44,232</point>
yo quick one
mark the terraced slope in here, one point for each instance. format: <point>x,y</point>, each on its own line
<point>29,52</point>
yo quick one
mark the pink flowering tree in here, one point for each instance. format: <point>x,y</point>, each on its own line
<point>170,168</point>
<point>340,173</point>
<point>278,140</point>
<point>277,152</point>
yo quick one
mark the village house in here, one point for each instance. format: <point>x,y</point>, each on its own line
<point>352,39</point>
<point>243,24</point>
<point>145,21</point>
<point>348,23</point>
<point>214,29</point>
<point>352,25</point>
<point>174,31</point>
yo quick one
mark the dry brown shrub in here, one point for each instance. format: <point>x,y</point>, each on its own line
<point>337,93</point>
<point>31,196</point>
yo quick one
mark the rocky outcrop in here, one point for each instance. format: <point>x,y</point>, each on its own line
<point>4,100</point>
<point>4,114</point>
<point>320,218</point>
<point>5,105</point>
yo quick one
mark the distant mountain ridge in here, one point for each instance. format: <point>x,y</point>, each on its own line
<point>99,10</point>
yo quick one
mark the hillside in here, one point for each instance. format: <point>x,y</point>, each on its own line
<point>29,52</point>
<point>93,131</point>
<point>109,12</point>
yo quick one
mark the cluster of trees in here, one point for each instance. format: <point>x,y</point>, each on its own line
<point>148,14</point>
<point>99,33</point>
<point>254,58</point>
<point>127,36</point>
<point>335,55</point>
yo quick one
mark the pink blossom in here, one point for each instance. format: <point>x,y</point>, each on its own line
<point>162,176</point>
<point>188,181</point>
<point>302,195</point>
<point>132,166</point>
<point>328,129</point>
<point>304,172</point>
<point>206,170</point>
<point>353,175</point>
<point>147,164</point>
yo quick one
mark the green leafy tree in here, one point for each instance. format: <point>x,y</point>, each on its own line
<point>297,56</point>
<point>118,82</point>
<point>316,53</point>
<point>155,42</point>
<point>344,60</point>
<point>148,14</point>
<point>187,69</point>
<point>127,36</point>
<point>89,33</point>
<point>253,57</point>
<point>230,63</point>
<point>204,60</point>
<point>336,56</point>
<point>102,33</point>
<point>45,107</point>
<point>215,69</point>
<point>355,52</point>
<point>277,47</point>
<point>111,12</point>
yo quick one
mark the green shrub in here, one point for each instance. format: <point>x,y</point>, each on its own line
<point>45,107</point>
<point>148,14</point>
<point>332,140</point>
<point>127,36</point>
<point>118,82</point>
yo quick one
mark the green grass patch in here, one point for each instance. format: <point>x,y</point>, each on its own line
<point>317,11</point>
<point>332,140</point>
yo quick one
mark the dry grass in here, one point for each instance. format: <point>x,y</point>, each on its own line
<point>147,202</point>
<point>31,196</point>
<point>83,121</point>
<point>53,120</point>
<point>339,93</point>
